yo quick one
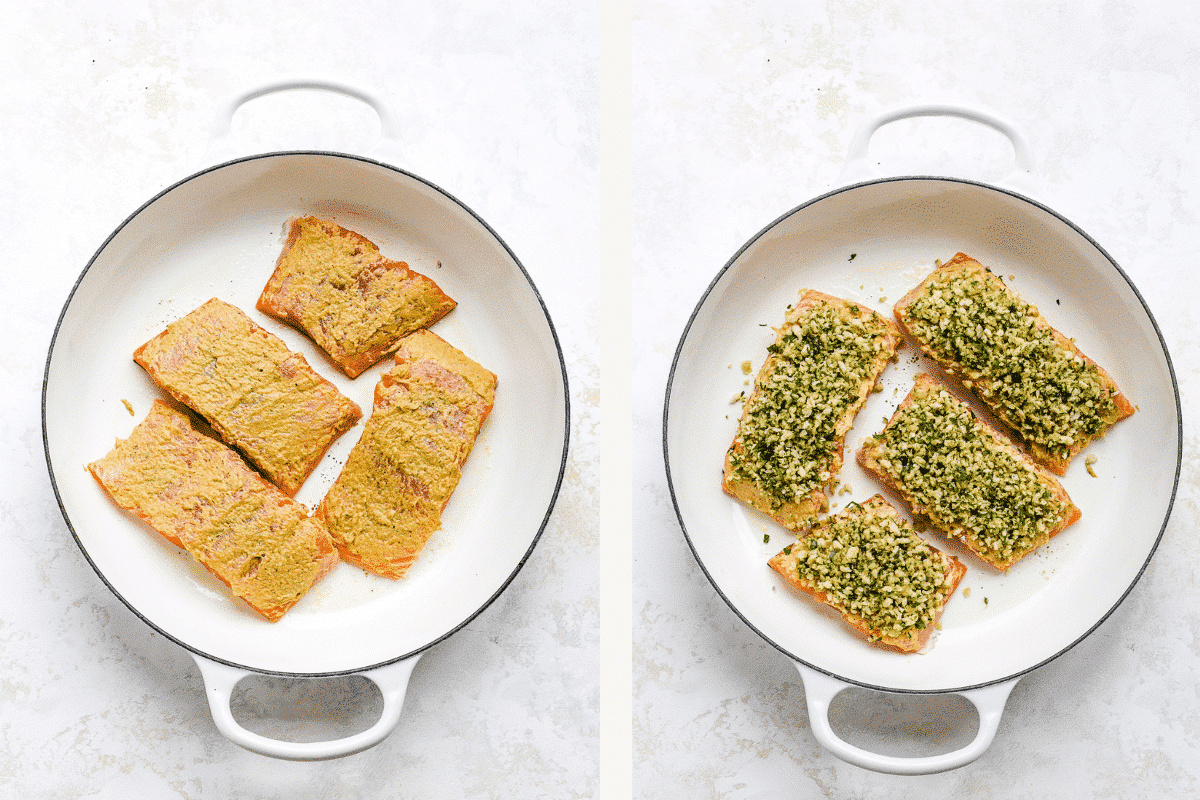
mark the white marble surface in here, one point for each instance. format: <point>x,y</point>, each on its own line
<point>743,110</point>
<point>106,103</point>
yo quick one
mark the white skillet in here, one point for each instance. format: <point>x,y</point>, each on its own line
<point>872,240</point>
<point>217,234</point>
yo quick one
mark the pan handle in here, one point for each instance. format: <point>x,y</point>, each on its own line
<point>220,148</point>
<point>858,168</point>
<point>820,689</point>
<point>220,679</point>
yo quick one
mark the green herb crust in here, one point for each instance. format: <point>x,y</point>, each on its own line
<point>868,563</point>
<point>826,358</point>
<point>1030,376</point>
<point>967,481</point>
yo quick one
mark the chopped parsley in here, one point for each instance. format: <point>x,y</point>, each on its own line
<point>871,564</point>
<point>1045,391</point>
<point>787,440</point>
<point>941,456</point>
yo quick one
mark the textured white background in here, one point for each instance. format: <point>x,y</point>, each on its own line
<point>743,110</point>
<point>106,103</point>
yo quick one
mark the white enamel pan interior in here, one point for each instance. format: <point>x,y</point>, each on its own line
<point>218,234</point>
<point>872,242</point>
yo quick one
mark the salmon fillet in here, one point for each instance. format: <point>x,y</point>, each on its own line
<point>355,304</point>
<point>1033,378</point>
<point>827,357</point>
<point>202,497</point>
<point>427,412</point>
<point>890,585</point>
<point>261,398</point>
<point>966,479</point>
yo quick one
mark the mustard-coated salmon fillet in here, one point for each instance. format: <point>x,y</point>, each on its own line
<point>427,412</point>
<point>353,302</point>
<point>261,398</point>
<point>965,479</point>
<point>202,497</point>
<point>890,585</point>
<point>827,357</point>
<point>1032,377</point>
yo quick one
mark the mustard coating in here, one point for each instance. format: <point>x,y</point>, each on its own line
<point>259,396</point>
<point>388,500</point>
<point>200,495</point>
<point>352,301</point>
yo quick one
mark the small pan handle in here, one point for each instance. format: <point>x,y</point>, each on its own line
<point>820,689</point>
<point>858,168</point>
<point>220,679</point>
<point>220,148</point>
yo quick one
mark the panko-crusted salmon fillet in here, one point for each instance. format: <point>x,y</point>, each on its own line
<point>890,585</point>
<point>261,398</point>
<point>965,479</point>
<point>827,357</point>
<point>388,499</point>
<point>202,497</point>
<point>1036,382</point>
<point>355,304</point>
